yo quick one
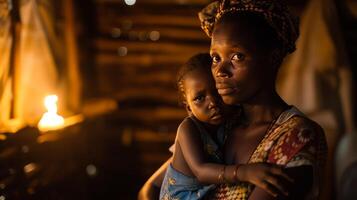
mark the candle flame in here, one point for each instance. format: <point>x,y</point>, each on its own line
<point>51,120</point>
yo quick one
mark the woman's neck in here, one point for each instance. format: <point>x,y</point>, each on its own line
<point>266,110</point>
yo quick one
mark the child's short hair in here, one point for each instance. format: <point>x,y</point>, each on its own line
<point>201,61</point>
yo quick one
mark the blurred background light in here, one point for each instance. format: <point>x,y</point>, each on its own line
<point>91,170</point>
<point>154,35</point>
<point>130,2</point>
<point>116,32</point>
<point>122,51</point>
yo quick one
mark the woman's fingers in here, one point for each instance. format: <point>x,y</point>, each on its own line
<point>269,177</point>
<point>267,187</point>
<point>279,172</point>
<point>276,183</point>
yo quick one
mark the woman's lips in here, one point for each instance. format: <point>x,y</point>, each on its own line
<point>226,90</point>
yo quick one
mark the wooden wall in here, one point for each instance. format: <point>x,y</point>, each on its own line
<point>138,72</point>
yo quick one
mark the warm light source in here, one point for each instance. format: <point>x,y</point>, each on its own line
<point>51,120</point>
<point>130,2</point>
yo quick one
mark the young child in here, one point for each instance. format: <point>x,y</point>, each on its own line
<point>197,155</point>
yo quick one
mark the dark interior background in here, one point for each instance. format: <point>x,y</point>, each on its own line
<point>128,57</point>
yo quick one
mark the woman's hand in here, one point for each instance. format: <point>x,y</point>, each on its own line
<point>270,178</point>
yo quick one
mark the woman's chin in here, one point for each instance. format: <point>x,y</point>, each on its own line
<point>230,99</point>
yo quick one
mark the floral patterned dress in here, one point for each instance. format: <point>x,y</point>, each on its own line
<point>293,140</point>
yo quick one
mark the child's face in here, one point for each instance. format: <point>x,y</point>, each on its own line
<point>239,67</point>
<point>202,98</point>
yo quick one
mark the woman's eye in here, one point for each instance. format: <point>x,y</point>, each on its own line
<point>238,57</point>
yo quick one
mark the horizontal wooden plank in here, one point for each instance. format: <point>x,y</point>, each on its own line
<point>192,35</point>
<point>153,114</point>
<point>122,70</point>
<point>109,84</point>
<point>158,126</point>
<point>105,45</point>
<point>141,60</point>
<point>147,19</point>
<point>134,77</point>
<point>168,7</point>
<point>164,77</point>
<point>165,2</point>
<point>153,136</point>
<point>139,92</point>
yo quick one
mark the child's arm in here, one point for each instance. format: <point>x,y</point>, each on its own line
<point>269,177</point>
<point>188,137</point>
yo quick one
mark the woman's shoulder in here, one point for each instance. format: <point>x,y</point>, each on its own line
<point>304,124</point>
<point>294,135</point>
<point>296,121</point>
<point>298,128</point>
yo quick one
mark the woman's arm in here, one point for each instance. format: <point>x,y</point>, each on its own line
<point>151,189</point>
<point>191,146</point>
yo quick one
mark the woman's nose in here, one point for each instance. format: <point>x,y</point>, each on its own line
<point>222,71</point>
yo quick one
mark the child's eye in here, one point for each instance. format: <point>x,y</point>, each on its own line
<point>238,57</point>
<point>198,98</point>
<point>215,59</point>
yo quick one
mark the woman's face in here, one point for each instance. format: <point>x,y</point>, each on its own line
<point>239,67</point>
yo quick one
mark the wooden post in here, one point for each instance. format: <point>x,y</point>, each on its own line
<point>15,30</point>
<point>73,80</point>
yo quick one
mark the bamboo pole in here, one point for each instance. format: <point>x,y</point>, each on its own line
<point>73,80</point>
<point>15,29</point>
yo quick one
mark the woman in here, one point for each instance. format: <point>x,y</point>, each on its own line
<point>249,39</point>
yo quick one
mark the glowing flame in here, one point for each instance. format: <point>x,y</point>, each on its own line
<point>51,120</point>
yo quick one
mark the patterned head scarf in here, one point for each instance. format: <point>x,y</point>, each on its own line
<point>274,12</point>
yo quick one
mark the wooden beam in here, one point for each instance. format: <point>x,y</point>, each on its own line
<point>142,60</point>
<point>175,33</point>
<point>157,2</point>
<point>154,114</point>
<point>150,19</point>
<point>15,29</point>
<point>148,92</point>
<point>147,47</point>
<point>73,79</point>
<point>155,77</point>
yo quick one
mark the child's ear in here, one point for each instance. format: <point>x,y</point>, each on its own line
<point>188,109</point>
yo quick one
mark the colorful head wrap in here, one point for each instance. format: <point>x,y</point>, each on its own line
<point>275,12</point>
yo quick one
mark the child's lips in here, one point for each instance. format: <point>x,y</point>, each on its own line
<point>216,116</point>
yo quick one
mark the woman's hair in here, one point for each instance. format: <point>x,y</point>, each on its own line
<point>275,13</point>
<point>256,26</point>
<point>201,61</point>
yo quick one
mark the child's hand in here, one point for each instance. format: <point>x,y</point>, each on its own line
<point>270,178</point>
